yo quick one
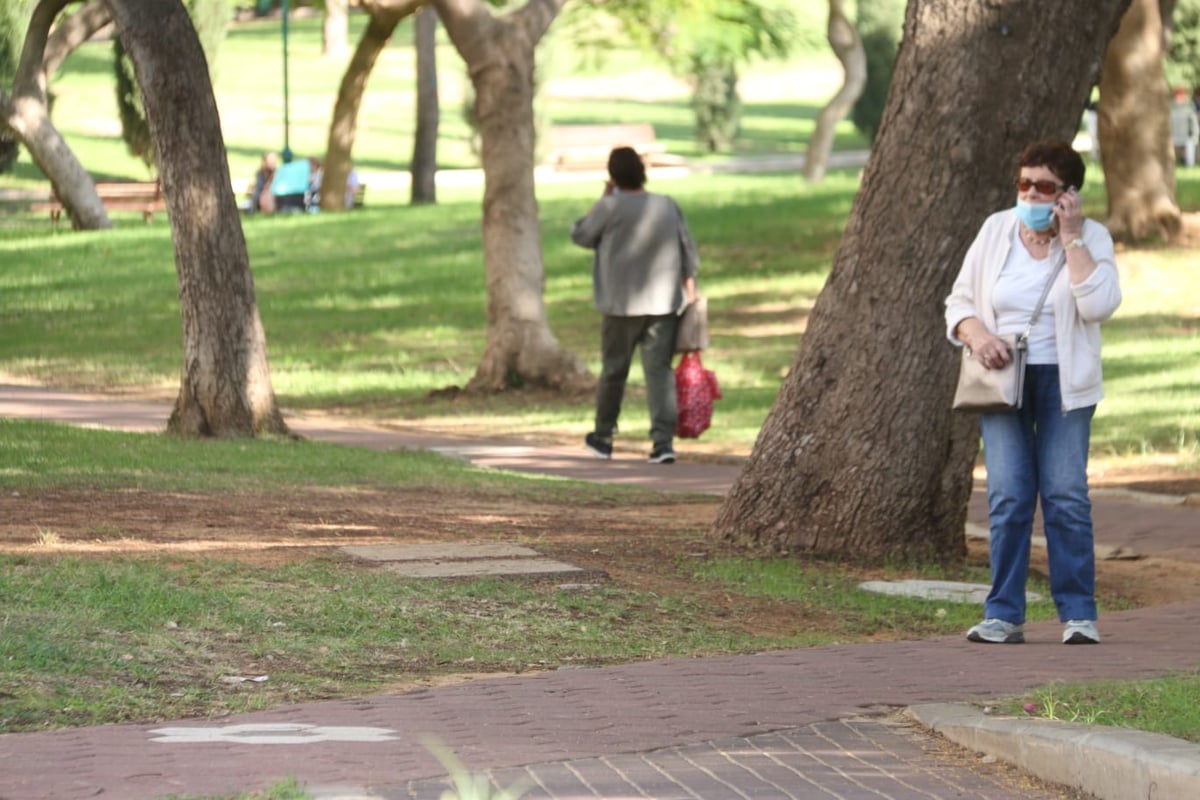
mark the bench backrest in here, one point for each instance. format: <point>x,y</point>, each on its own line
<point>565,137</point>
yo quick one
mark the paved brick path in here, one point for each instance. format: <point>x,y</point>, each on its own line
<point>775,725</point>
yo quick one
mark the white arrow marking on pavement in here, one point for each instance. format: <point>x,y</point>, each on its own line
<point>272,733</point>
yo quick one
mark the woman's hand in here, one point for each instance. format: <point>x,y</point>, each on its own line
<point>1069,211</point>
<point>988,349</point>
<point>991,351</point>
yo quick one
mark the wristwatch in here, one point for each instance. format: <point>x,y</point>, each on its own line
<point>1071,245</point>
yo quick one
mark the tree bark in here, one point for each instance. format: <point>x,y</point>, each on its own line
<point>1134,128</point>
<point>27,114</point>
<point>499,51</point>
<point>225,387</point>
<point>424,160</point>
<point>860,454</point>
<point>385,15</point>
<point>847,46</point>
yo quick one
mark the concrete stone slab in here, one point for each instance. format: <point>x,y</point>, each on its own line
<point>477,568</point>
<point>952,591</point>
<point>439,552</point>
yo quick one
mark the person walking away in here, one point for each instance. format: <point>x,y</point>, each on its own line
<point>643,276</point>
<point>1041,449</point>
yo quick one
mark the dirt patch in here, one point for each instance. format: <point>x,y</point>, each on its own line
<point>631,545</point>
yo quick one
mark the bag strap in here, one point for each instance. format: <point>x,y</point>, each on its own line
<point>1037,310</point>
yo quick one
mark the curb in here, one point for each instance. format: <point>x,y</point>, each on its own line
<point>1110,763</point>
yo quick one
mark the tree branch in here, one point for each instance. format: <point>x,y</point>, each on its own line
<point>74,31</point>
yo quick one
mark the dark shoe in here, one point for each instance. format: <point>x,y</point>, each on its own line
<point>601,448</point>
<point>662,454</point>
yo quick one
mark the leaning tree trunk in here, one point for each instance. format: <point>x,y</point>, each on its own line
<point>385,15</point>
<point>27,114</point>
<point>225,389</point>
<point>861,455</point>
<point>1135,133</point>
<point>73,31</point>
<point>847,46</point>
<point>424,160</point>
<point>499,53</point>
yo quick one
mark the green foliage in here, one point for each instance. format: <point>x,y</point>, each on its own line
<point>880,48</point>
<point>14,19</point>
<point>134,128</point>
<point>715,100</point>
<point>706,42</point>
<point>880,24</point>
<point>1182,65</point>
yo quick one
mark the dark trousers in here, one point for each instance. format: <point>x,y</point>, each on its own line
<point>619,336</point>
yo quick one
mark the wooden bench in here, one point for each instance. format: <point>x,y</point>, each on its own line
<point>588,146</point>
<point>146,197</point>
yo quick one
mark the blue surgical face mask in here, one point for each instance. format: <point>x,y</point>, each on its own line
<point>1036,216</point>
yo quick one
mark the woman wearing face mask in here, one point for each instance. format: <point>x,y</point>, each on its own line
<point>1040,450</point>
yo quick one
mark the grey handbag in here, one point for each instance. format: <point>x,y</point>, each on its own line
<point>988,391</point>
<point>692,333</point>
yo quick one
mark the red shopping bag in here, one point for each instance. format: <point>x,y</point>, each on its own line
<point>695,390</point>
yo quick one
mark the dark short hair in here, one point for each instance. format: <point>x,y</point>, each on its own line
<point>626,169</point>
<point>1057,156</point>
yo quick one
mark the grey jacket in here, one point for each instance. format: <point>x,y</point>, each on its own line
<point>643,253</point>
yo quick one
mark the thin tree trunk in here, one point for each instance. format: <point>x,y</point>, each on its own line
<point>27,114</point>
<point>499,53</point>
<point>424,160</point>
<point>225,386</point>
<point>1135,133</point>
<point>384,17</point>
<point>847,46</point>
<point>860,454</point>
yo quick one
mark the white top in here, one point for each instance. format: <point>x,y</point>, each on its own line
<point>1017,291</point>
<point>1078,308</point>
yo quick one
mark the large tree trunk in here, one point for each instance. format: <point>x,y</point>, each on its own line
<point>861,455</point>
<point>27,114</point>
<point>500,59</point>
<point>1135,134</point>
<point>847,46</point>
<point>385,15</point>
<point>225,387</point>
<point>424,159</point>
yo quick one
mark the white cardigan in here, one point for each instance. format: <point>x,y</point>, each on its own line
<point>1078,308</point>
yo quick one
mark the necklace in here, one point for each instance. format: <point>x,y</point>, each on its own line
<point>1029,237</point>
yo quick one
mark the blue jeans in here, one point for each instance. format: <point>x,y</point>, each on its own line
<point>1040,451</point>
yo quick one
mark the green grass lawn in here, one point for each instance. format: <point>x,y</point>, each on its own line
<point>779,109</point>
<point>372,312</point>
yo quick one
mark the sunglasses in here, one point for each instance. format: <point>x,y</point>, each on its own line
<point>1043,187</point>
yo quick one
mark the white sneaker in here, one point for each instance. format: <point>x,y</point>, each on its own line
<point>1081,631</point>
<point>997,631</point>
